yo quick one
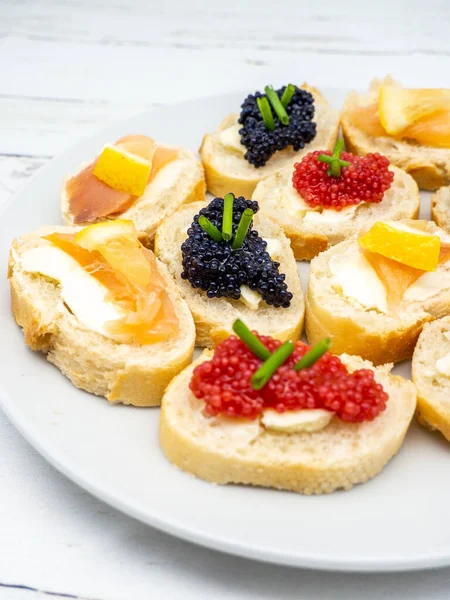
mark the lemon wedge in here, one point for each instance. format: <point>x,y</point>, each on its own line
<point>98,234</point>
<point>402,244</point>
<point>400,107</point>
<point>123,170</point>
<point>117,241</point>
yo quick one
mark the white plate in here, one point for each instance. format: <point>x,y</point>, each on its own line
<point>397,521</point>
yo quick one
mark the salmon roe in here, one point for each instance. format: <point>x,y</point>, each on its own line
<point>366,179</point>
<point>224,384</point>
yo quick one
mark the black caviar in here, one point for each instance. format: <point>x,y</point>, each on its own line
<point>220,271</point>
<point>262,143</point>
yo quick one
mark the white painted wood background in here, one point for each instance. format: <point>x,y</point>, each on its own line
<point>66,69</point>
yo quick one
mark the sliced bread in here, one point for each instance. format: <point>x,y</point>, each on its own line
<point>227,170</point>
<point>214,317</point>
<point>440,208</point>
<point>135,375</point>
<point>361,322</point>
<point>225,450</point>
<point>431,375</point>
<point>311,231</point>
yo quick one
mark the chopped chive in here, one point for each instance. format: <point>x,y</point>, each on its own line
<point>242,228</point>
<point>210,229</point>
<point>334,161</point>
<point>276,104</point>
<point>313,355</point>
<point>266,113</point>
<point>252,342</point>
<point>338,148</point>
<point>268,368</point>
<point>324,158</point>
<point>334,170</point>
<point>287,94</point>
<point>227,217</point>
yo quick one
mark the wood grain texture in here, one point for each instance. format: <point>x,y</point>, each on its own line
<point>70,67</point>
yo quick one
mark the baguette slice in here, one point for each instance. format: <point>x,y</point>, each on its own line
<point>433,385</point>
<point>177,183</point>
<point>440,208</point>
<point>214,317</point>
<point>430,166</point>
<point>309,237</point>
<point>376,335</point>
<point>135,375</point>
<point>227,170</point>
<point>339,456</point>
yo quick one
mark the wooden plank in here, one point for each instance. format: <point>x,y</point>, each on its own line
<point>45,107</point>
<point>14,171</point>
<point>68,68</point>
<point>45,126</point>
<point>345,26</point>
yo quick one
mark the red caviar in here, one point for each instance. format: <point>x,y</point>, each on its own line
<point>366,179</point>
<point>224,384</point>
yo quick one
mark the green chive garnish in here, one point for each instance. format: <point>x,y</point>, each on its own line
<point>252,342</point>
<point>266,113</point>
<point>334,161</point>
<point>210,229</point>
<point>313,355</point>
<point>242,229</point>
<point>268,368</point>
<point>287,94</point>
<point>227,217</point>
<point>276,104</point>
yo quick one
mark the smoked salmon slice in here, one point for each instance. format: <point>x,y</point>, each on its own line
<point>161,158</point>
<point>398,277</point>
<point>150,315</point>
<point>91,199</point>
<point>366,117</point>
<point>431,130</point>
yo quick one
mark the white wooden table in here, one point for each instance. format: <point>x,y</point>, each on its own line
<point>67,69</point>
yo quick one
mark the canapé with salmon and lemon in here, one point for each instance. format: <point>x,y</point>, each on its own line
<point>137,179</point>
<point>373,294</point>
<point>102,308</point>
<point>411,127</point>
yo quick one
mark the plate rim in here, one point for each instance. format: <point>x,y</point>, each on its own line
<point>103,493</point>
<point>312,561</point>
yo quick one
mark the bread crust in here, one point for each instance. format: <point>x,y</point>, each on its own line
<point>219,183</point>
<point>433,408</point>
<point>219,180</point>
<point>306,247</point>
<point>121,373</point>
<point>147,216</point>
<point>440,208</point>
<point>351,337</point>
<point>37,331</point>
<point>197,192</point>
<point>277,460</point>
<point>432,418</point>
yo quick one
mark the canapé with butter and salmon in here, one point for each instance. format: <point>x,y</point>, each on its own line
<point>137,179</point>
